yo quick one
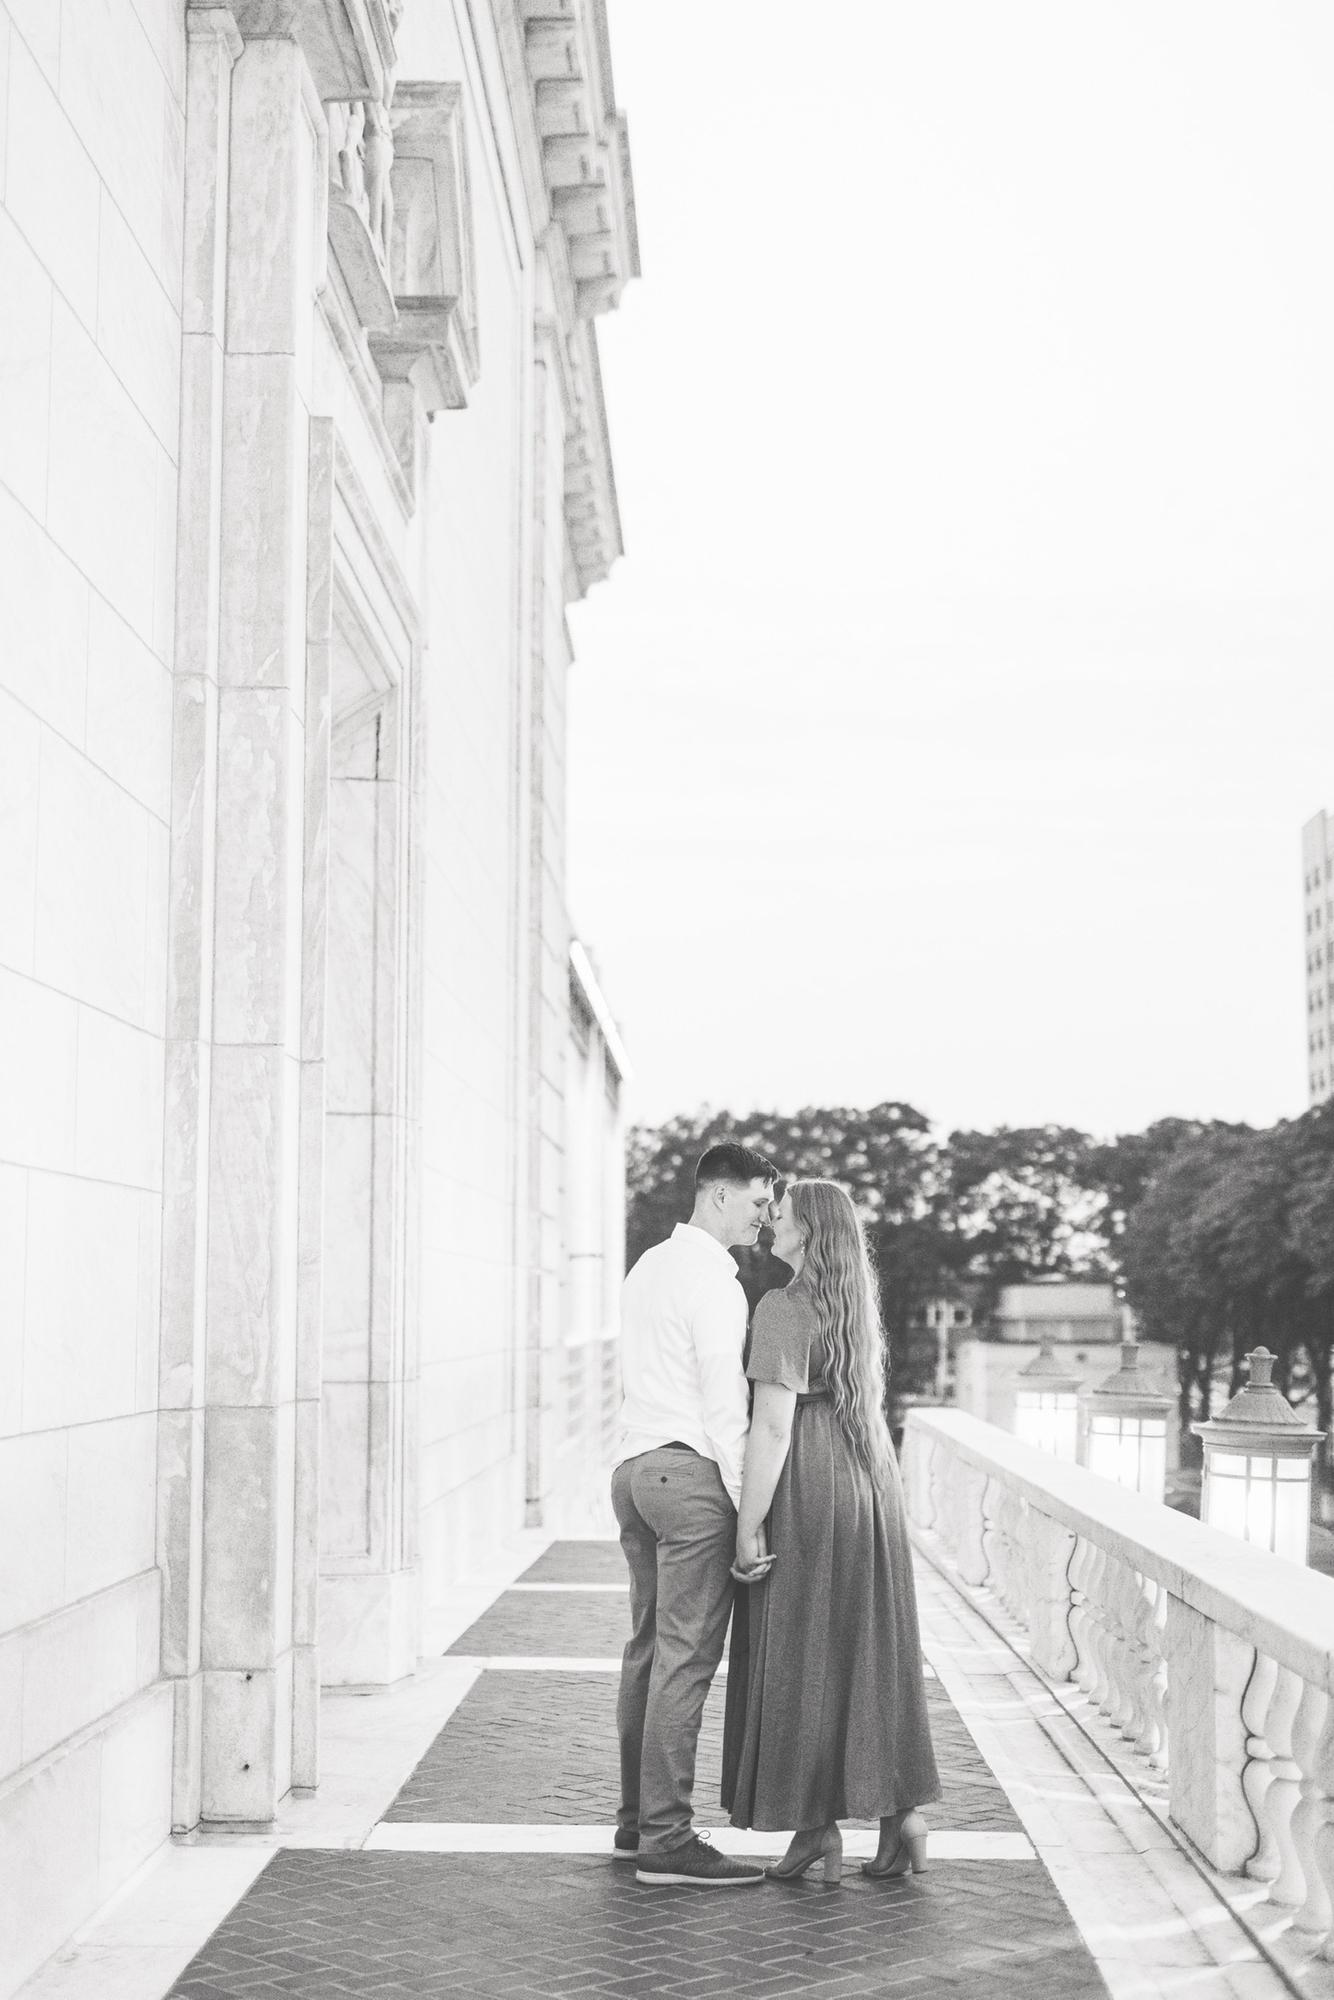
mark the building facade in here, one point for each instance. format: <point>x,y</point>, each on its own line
<point>1063,1309</point>
<point>1318,912</point>
<point>302,457</point>
<point>1081,1323</point>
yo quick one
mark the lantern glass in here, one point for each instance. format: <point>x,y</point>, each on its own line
<point>1132,1450</point>
<point>1261,1499</point>
<point>1048,1419</point>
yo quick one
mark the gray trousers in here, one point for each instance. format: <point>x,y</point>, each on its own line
<point>678,1531</point>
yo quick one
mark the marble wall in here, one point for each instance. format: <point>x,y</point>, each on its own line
<point>288,1174</point>
<point>593,1242</point>
<point>472,1093</point>
<point>91,134</point>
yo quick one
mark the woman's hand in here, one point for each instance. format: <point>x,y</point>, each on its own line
<point>752,1557</point>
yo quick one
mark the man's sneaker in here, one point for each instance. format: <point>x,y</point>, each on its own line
<point>696,1865</point>
<point>625,1840</point>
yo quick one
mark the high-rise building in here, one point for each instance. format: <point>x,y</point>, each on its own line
<point>1318,892</point>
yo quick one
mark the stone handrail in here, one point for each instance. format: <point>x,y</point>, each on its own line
<point>1215,1659</point>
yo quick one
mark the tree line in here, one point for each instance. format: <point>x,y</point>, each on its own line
<point>1219,1235</point>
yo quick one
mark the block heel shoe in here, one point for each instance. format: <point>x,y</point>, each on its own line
<point>909,1857</point>
<point>829,1851</point>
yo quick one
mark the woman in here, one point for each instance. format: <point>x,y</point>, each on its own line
<point>828,1721</point>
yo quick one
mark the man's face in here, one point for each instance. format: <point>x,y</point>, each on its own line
<point>746,1210</point>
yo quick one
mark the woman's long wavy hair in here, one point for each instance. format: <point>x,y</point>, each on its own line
<point>841,1281</point>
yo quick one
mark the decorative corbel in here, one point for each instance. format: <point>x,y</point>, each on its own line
<point>348,44</point>
<point>433,342</point>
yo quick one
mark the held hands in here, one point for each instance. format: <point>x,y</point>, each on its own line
<point>753,1560</point>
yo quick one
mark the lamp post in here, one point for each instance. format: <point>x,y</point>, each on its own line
<point>1046,1404</point>
<point>1257,1466</point>
<point>1125,1428</point>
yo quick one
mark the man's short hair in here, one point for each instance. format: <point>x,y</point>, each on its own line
<point>737,1165</point>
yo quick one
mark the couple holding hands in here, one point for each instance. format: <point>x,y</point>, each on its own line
<point>798,1499</point>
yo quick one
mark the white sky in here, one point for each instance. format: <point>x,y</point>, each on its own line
<point>948,729</point>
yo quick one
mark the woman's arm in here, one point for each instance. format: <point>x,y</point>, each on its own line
<point>766,1454</point>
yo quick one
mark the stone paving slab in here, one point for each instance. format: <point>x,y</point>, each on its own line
<point>319,1924</point>
<point>578,1562</point>
<point>530,1747</point>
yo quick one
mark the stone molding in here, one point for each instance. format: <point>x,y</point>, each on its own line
<point>585,148</point>
<point>592,518</point>
<point>361,193</point>
<point>575,154</point>
<point>348,44</point>
<point>399,219</point>
<point>433,341</point>
<point>357,242</point>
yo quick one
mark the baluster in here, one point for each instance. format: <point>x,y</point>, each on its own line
<point>1125,1713</point>
<point>1285,1787</point>
<point>1121,1711</point>
<point>1139,1726</point>
<point>970,1489</point>
<point>1087,1674</point>
<point>1004,1548</point>
<point>1109,1589</point>
<point>1104,1585</point>
<point>1081,1563</point>
<point>919,1456</point>
<point>1154,1742</point>
<point>1012,1555</point>
<point>947,1501</point>
<point>937,1487</point>
<point>1020,1546</point>
<point>1313,1815</point>
<point>1258,1774</point>
<point>993,1534</point>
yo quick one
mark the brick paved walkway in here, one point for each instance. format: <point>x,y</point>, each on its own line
<point>592,1623</point>
<point>534,1749</point>
<point>400,1926</point>
<point>527,1747</point>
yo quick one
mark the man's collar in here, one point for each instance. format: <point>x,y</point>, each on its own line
<point>691,1233</point>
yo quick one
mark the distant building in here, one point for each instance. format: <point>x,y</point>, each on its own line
<point>596,1070</point>
<point>1058,1308</point>
<point>1083,1323</point>
<point>1318,893</point>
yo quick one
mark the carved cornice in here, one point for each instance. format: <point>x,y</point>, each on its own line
<point>592,519</point>
<point>584,145</point>
<point>592,242</point>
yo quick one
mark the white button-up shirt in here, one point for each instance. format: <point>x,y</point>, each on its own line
<point>683,1329</point>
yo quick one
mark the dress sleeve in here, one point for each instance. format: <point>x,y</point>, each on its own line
<point>780,1343</point>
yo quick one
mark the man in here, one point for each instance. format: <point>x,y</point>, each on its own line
<point>675,1492</point>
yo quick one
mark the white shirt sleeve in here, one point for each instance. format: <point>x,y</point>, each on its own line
<point>718,1329</point>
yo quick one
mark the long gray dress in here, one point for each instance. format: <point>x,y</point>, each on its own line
<point>828,1718</point>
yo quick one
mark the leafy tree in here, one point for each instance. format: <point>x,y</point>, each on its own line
<point>1171,1278</point>
<point>1224,1235</point>
<point>1125,1167</point>
<point>885,1157</point>
<point>1026,1203</point>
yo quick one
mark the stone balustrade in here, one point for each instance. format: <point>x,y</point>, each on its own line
<point>1215,1660</point>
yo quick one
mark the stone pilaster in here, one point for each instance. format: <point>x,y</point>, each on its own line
<point>368,1601</point>
<point>248,1638</point>
<point>213,47</point>
<point>543,940</point>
